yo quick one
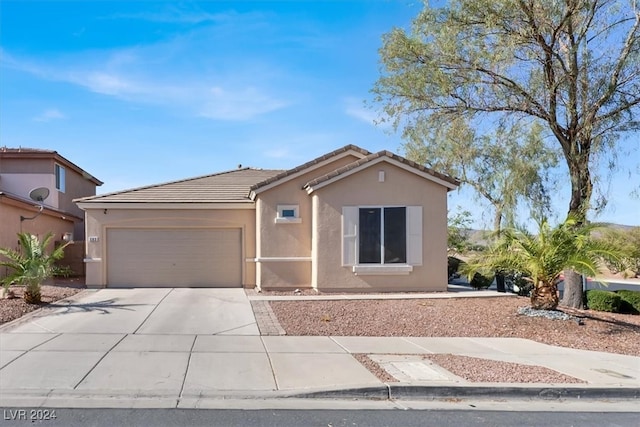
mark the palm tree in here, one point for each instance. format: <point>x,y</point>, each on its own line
<point>543,257</point>
<point>31,265</point>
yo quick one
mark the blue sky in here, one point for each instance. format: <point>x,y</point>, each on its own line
<point>142,92</point>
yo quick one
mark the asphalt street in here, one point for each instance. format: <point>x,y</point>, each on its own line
<point>320,418</point>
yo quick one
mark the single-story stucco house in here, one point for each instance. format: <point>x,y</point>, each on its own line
<point>350,220</point>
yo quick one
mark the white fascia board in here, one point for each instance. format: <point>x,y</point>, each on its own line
<point>374,162</point>
<point>287,178</point>
<point>168,206</point>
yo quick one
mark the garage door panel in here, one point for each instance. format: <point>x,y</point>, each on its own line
<point>174,257</point>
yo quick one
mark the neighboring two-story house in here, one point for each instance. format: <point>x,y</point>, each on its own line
<point>24,169</point>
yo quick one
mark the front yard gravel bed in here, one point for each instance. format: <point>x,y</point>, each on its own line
<point>459,317</point>
<point>479,370</point>
<point>464,317</point>
<point>11,309</point>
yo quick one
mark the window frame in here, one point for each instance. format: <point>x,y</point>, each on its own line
<point>382,234</point>
<point>413,242</point>
<point>282,219</point>
<point>60,175</point>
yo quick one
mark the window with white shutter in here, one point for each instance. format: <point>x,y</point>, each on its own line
<point>382,240</point>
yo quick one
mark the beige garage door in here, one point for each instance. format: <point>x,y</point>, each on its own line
<point>174,257</point>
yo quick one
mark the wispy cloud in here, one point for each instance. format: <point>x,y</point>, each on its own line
<point>148,75</point>
<point>278,153</point>
<point>179,14</point>
<point>238,104</point>
<point>49,115</point>
<point>355,108</point>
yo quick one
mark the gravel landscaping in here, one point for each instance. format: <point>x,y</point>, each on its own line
<point>459,317</point>
<point>465,317</point>
<point>475,369</point>
<point>11,309</point>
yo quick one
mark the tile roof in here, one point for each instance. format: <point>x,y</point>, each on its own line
<point>374,156</point>
<point>315,161</point>
<point>230,187</point>
<point>39,153</point>
<point>25,150</point>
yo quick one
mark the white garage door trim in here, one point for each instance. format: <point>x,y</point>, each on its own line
<point>174,257</point>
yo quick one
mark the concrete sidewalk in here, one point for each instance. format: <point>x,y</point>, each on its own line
<point>143,349</point>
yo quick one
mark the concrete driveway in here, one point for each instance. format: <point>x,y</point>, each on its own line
<point>164,344</point>
<point>151,311</point>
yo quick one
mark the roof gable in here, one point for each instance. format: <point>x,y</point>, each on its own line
<point>230,186</point>
<point>316,163</point>
<point>373,159</point>
<point>37,153</point>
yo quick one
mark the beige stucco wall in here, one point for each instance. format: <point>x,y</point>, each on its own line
<point>76,187</point>
<point>10,225</point>
<point>363,189</point>
<point>97,223</point>
<point>20,176</point>
<point>287,240</point>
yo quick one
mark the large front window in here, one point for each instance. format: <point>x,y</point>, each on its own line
<point>383,235</point>
<point>381,240</point>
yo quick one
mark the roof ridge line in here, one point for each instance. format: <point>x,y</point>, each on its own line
<point>146,187</point>
<point>310,163</point>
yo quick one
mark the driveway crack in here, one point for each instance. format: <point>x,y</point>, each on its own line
<point>186,372</point>
<point>152,311</point>
<point>98,362</point>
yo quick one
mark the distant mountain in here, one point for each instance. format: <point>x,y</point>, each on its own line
<point>482,237</point>
<point>619,226</point>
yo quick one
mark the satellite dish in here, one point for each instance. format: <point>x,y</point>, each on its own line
<point>39,194</point>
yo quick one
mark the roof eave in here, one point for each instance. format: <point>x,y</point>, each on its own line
<point>307,167</point>
<point>54,155</point>
<point>449,183</point>
<point>173,205</point>
<point>30,205</point>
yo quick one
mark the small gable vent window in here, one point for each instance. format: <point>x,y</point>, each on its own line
<point>288,214</point>
<point>60,178</point>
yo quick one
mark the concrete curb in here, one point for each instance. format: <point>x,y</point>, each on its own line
<point>383,393</point>
<point>508,391</point>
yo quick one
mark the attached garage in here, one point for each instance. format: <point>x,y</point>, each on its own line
<point>174,257</point>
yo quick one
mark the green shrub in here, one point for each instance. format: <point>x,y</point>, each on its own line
<point>630,301</point>
<point>600,300</point>
<point>453,264</point>
<point>481,281</point>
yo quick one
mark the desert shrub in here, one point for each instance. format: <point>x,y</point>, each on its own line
<point>62,271</point>
<point>453,264</point>
<point>630,301</point>
<point>629,242</point>
<point>600,300</point>
<point>481,281</point>
<point>31,265</point>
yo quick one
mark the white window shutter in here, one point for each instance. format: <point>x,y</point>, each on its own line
<point>349,234</point>
<point>414,235</point>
